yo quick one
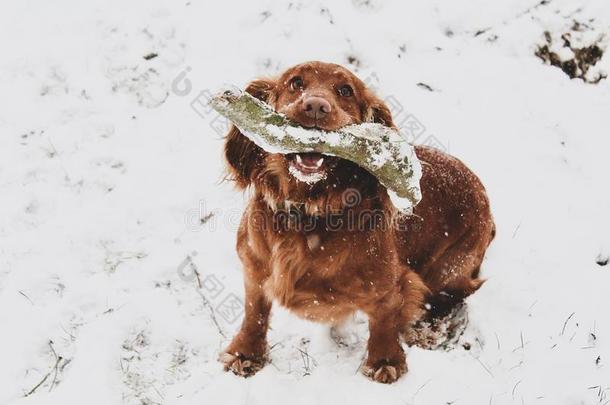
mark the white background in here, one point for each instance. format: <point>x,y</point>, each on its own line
<point>104,169</point>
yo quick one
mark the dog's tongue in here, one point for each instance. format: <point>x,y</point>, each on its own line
<point>311,159</point>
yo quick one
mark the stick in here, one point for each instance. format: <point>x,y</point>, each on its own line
<point>377,148</point>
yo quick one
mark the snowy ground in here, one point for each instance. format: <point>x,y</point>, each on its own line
<point>109,158</point>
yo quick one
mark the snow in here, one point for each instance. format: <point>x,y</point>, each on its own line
<point>308,178</point>
<point>109,176</point>
<point>384,146</point>
<point>397,152</point>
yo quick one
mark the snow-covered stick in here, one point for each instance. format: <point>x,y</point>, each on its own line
<point>379,149</point>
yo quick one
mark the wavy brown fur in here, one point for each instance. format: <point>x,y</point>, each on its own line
<point>324,256</point>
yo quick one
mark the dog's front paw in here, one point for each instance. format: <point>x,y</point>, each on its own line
<point>241,365</point>
<point>384,372</point>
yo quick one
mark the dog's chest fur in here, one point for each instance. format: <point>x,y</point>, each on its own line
<point>322,275</point>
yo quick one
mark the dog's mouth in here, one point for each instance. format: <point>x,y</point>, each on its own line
<point>309,167</point>
<point>307,163</point>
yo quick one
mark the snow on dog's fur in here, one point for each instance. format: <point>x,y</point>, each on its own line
<point>315,249</point>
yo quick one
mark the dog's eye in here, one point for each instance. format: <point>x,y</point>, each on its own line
<point>296,83</point>
<point>345,91</point>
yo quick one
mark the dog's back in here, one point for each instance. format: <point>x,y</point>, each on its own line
<point>446,238</point>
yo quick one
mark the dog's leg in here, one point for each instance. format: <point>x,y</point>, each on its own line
<point>386,359</point>
<point>454,275</point>
<point>247,353</point>
<point>388,319</point>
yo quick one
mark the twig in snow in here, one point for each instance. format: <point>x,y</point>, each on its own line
<point>515,388</point>
<point>497,340</point>
<point>362,360</point>
<point>204,219</point>
<point>522,343</point>
<point>212,313</point>
<point>276,367</point>
<point>534,7</point>
<point>306,361</point>
<point>72,337</point>
<point>516,366</point>
<point>515,17</point>
<point>28,298</point>
<point>206,302</point>
<point>419,389</point>
<point>38,385</point>
<point>425,86</point>
<point>196,273</point>
<point>565,324</point>
<point>516,230</point>
<point>57,360</point>
<point>273,346</point>
<point>55,369</point>
<point>484,366</point>
<point>522,347</point>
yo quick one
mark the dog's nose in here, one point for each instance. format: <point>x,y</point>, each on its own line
<point>316,107</point>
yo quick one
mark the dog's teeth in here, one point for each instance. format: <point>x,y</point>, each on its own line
<point>299,160</point>
<point>319,162</point>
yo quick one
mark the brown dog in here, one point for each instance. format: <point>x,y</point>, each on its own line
<point>321,237</point>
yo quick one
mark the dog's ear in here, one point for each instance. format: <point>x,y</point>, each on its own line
<point>244,156</point>
<point>261,89</point>
<point>377,111</point>
<point>382,115</point>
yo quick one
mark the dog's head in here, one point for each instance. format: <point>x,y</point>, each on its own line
<point>315,95</point>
